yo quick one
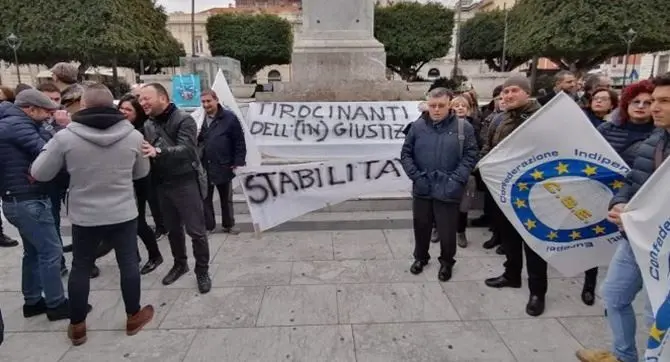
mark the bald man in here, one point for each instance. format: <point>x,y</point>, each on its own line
<point>103,155</point>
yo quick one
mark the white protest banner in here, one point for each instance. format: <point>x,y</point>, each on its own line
<point>276,194</point>
<point>326,130</point>
<point>646,221</point>
<point>227,100</point>
<point>553,177</point>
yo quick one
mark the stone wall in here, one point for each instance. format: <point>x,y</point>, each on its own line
<point>343,91</point>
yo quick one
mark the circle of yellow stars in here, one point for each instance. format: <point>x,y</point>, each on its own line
<point>561,169</point>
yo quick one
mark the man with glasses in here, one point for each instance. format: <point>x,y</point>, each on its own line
<point>439,166</point>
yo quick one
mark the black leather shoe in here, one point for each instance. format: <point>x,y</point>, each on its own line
<point>502,282</point>
<point>445,272</point>
<point>35,310</point>
<point>95,272</point>
<point>491,243</point>
<point>62,311</point>
<point>204,282</point>
<point>535,306</point>
<point>151,265</point>
<point>500,250</point>
<point>588,295</point>
<point>417,266</point>
<point>175,273</point>
<point>7,242</point>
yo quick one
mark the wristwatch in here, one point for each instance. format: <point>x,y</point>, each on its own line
<point>158,150</point>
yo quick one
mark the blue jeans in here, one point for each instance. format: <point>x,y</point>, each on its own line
<point>623,282</point>
<point>42,250</point>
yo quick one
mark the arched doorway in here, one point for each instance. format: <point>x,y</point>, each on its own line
<point>274,76</point>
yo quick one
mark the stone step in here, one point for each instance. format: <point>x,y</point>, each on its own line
<point>321,221</point>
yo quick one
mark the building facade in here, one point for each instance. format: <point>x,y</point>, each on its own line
<point>444,67</point>
<point>266,3</point>
<point>179,25</point>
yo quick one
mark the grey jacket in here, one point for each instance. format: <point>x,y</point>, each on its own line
<point>102,153</point>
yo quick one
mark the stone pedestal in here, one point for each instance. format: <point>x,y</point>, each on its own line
<point>341,91</point>
<point>337,43</point>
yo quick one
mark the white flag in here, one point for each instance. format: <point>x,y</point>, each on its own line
<point>227,100</point>
<point>646,222</point>
<point>276,194</point>
<point>554,177</point>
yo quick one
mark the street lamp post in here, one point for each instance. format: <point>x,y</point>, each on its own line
<point>193,67</point>
<point>457,47</point>
<point>503,61</point>
<point>653,64</point>
<point>629,38</point>
<point>14,42</point>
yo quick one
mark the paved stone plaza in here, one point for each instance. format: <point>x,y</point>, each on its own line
<point>314,296</point>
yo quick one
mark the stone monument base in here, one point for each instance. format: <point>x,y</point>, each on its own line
<point>326,61</point>
<point>342,91</point>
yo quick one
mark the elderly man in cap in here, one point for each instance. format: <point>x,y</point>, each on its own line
<point>27,205</point>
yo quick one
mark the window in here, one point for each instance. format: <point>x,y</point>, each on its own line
<point>199,45</point>
<point>274,76</point>
<point>663,64</point>
<point>434,73</point>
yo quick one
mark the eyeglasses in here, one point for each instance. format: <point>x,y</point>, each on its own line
<point>640,104</point>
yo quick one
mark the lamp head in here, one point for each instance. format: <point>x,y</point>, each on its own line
<point>13,40</point>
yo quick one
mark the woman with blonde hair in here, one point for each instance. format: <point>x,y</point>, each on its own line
<point>461,106</point>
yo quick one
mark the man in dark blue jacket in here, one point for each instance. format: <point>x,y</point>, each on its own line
<point>624,278</point>
<point>5,241</point>
<point>27,206</point>
<point>438,155</point>
<point>224,150</point>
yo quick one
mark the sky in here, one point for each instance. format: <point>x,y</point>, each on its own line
<point>185,5</point>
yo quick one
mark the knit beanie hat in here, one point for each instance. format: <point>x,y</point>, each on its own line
<point>519,81</point>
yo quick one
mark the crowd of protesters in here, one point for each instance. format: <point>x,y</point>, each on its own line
<point>636,123</point>
<point>70,142</point>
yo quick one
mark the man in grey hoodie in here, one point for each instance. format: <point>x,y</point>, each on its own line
<point>102,153</point>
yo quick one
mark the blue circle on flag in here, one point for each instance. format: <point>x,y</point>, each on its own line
<point>661,325</point>
<point>543,174</point>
